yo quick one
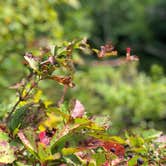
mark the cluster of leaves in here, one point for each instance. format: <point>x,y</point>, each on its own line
<point>42,132</point>
<point>25,26</point>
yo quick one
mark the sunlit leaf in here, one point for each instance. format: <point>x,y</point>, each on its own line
<point>151,134</point>
<point>37,96</point>
<point>33,62</point>
<point>6,151</point>
<point>68,151</point>
<point>29,140</point>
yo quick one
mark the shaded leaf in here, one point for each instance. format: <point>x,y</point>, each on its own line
<point>17,118</point>
<point>45,154</point>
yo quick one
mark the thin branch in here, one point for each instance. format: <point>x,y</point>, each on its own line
<point>21,98</point>
<point>13,109</point>
<point>63,95</point>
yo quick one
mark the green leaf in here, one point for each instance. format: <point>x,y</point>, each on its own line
<point>21,164</point>
<point>73,160</point>
<point>136,141</point>
<point>28,139</point>
<point>4,136</point>
<point>99,158</point>
<point>133,161</point>
<point>17,118</point>
<point>45,154</point>
<point>53,50</point>
<point>68,151</point>
<point>151,134</point>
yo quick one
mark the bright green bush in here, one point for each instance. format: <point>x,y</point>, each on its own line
<point>129,97</point>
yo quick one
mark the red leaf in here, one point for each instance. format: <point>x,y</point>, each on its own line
<point>128,50</point>
<point>114,147</point>
<point>107,163</point>
<point>43,138</point>
<point>130,57</point>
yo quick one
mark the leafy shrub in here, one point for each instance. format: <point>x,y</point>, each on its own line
<point>41,132</point>
<point>25,26</point>
<point>129,97</point>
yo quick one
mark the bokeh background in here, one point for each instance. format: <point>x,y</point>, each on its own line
<point>133,96</point>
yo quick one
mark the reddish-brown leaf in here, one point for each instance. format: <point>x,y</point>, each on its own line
<point>115,148</point>
<point>107,50</point>
<point>65,80</point>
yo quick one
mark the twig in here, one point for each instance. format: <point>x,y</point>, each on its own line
<point>63,95</point>
<point>13,109</point>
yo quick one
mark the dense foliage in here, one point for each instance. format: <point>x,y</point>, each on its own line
<point>70,108</point>
<point>39,131</point>
<point>129,97</point>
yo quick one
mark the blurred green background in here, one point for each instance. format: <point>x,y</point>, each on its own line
<point>132,95</point>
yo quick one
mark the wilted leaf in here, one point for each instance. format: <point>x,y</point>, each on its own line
<point>78,110</point>
<point>17,85</point>
<point>6,152</point>
<point>29,141</point>
<point>32,61</point>
<point>107,50</point>
<point>43,138</point>
<point>115,148</point>
<point>66,80</point>
<point>161,139</point>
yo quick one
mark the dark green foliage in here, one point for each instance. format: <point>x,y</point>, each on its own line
<point>17,118</point>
